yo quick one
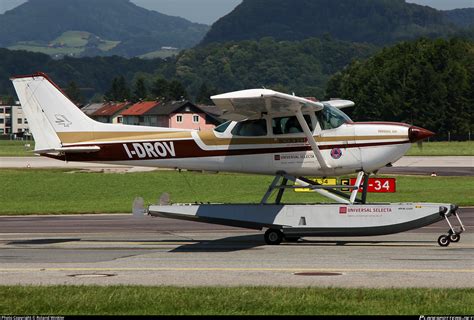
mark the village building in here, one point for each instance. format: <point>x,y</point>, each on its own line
<point>13,122</point>
<point>111,112</point>
<point>175,114</point>
<point>91,108</point>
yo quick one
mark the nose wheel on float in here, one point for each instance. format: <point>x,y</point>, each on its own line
<point>453,235</point>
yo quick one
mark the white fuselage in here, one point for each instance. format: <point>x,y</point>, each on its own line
<point>348,149</point>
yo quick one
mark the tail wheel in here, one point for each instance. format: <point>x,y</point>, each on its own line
<point>455,237</point>
<point>443,241</point>
<point>273,237</point>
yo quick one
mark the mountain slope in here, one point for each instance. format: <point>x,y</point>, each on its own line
<point>373,21</point>
<point>460,17</point>
<point>138,30</point>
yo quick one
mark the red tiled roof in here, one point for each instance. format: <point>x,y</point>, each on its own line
<point>140,108</point>
<point>110,109</point>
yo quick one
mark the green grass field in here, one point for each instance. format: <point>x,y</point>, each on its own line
<point>47,50</point>
<point>136,300</point>
<point>163,54</point>
<point>17,149</point>
<point>453,148</point>
<point>59,191</point>
<point>70,42</point>
<point>72,39</point>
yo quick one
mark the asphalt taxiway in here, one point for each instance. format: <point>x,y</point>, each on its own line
<point>120,249</point>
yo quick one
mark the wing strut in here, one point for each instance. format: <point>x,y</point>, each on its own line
<point>312,142</point>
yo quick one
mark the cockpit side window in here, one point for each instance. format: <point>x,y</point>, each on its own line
<point>331,118</point>
<point>289,125</point>
<point>223,127</point>
<point>251,128</point>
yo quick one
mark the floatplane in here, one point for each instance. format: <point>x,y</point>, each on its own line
<point>268,133</point>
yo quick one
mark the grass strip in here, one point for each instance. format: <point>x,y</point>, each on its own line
<point>34,191</point>
<point>15,148</point>
<point>453,148</point>
<point>140,300</point>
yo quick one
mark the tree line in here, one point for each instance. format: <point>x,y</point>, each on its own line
<point>142,89</point>
<point>429,83</point>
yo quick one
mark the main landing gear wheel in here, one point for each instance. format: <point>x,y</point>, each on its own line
<point>443,241</point>
<point>273,237</point>
<point>454,237</point>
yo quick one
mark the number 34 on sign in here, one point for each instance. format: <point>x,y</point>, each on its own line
<point>378,185</point>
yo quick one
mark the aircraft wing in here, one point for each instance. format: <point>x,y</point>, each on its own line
<point>251,104</point>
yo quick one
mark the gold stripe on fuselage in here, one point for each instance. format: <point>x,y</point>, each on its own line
<point>208,138</point>
<point>77,137</point>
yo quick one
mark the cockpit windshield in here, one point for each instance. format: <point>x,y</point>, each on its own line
<point>331,117</point>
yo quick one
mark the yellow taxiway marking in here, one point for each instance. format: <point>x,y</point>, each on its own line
<point>243,269</point>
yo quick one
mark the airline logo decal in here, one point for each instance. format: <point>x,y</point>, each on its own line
<point>336,153</point>
<point>366,210</point>
<point>61,120</point>
<point>157,150</point>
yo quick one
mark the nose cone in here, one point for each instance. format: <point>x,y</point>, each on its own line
<point>416,134</point>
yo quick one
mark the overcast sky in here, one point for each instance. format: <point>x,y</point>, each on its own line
<point>208,11</point>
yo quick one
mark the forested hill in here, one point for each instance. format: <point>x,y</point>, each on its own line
<point>93,75</point>
<point>301,66</point>
<point>374,21</point>
<point>426,82</point>
<point>460,17</point>
<point>123,27</point>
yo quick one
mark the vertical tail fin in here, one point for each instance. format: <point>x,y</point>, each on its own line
<point>48,110</point>
<point>56,122</point>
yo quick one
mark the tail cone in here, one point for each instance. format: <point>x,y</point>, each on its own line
<point>417,134</point>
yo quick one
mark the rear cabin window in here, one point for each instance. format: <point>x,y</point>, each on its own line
<point>289,125</point>
<point>251,128</point>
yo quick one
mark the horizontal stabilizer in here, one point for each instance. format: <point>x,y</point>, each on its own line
<point>69,150</point>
